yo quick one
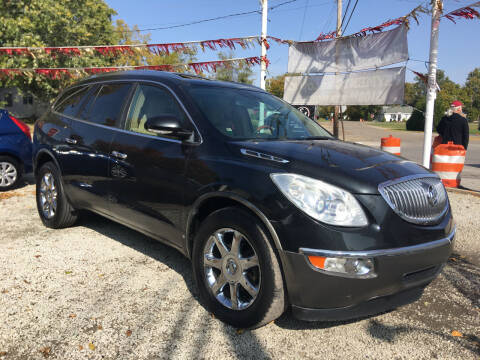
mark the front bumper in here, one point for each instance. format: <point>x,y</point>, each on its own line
<point>402,274</point>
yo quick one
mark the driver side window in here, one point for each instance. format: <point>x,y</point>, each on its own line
<point>149,102</point>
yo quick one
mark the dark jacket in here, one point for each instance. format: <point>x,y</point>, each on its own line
<point>454,128</point>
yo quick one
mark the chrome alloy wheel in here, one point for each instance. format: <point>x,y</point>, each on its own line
<point>231,269</point>
<point>48,196</point>
<point>8,174</point>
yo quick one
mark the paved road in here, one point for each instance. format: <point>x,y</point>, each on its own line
<point>412,147</point>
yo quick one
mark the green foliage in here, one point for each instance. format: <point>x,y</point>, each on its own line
<point>356,113</point>
<point>472,88</point>
<point>131,36</point>
<point>240,72</point>
<point>53,23</point>
<point>276,85</point>
<point>416,122</point>
<point>415,95</point>
<point>325,112</point>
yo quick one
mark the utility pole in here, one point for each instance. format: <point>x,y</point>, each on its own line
<point>264,39</point>
<point>437,7</point>
<point>339,33</point>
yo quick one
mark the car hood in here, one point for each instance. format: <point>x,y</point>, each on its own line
<point>356,168</point>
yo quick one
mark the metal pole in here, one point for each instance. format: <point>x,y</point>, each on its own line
<point>339,33</point>
<point>437,7</point>
<point>339,17</point>
<point>264,38</point>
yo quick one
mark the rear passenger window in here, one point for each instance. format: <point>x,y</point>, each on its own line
<point>105,105</point>
<point>70,102</point>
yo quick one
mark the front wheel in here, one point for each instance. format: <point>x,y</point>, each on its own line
<point>52,204</point>
<point>236,269</point>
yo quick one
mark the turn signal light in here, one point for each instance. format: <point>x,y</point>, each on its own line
<point>344,266</point>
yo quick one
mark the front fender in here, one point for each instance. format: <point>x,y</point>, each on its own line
<point>232,197</point>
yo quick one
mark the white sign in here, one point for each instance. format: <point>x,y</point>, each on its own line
<point>375,87</point>
<point>349,54</point>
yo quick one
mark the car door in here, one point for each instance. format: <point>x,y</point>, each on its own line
<point>92,131</point>
<point>149,170</point>
<point>55,126</point>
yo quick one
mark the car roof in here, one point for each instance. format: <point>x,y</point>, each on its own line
<point>155,75</point>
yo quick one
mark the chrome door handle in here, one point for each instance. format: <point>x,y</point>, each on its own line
<point>119,155</point>
<point>70,141</point>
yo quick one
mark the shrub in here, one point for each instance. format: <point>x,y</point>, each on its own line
<point>416,121</point>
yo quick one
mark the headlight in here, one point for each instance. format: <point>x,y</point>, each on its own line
<point>322,201</point>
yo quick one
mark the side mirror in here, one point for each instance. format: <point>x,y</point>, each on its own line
<point>167,125</point>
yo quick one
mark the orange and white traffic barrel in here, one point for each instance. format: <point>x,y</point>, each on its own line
<point>391,144</point>
<point>448,160</point>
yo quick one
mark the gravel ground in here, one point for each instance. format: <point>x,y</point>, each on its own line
<point>101,291</point>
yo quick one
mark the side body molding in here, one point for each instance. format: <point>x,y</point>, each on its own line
<point>240,200</point>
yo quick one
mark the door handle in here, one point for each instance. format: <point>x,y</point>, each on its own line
<point>70,141</point>
<point>119,155</point>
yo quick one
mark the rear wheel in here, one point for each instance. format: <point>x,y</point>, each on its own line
<point>52,204</point>
<point>10,173</point>
<point>236,269</point>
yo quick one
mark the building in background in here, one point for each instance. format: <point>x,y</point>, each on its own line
<point>22,106</point>
<point>394,113</point>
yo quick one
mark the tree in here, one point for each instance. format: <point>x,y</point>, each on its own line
<point>53,23</point>
<point>240,72</point>
<point>415,95</point>
<point>356,113</point>
<point>276,85</point>
<point>325,112</point>
<point>131,36</point>
<point>472,88</point>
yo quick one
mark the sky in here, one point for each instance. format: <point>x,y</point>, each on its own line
<point>459,45</point>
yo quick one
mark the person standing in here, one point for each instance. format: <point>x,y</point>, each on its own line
<point>454,127</point>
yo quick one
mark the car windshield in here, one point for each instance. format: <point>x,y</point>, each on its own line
<point>250,114</point>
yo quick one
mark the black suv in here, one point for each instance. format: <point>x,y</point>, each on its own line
<point>272,210</point>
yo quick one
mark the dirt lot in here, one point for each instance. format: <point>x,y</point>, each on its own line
<point>101,291</point>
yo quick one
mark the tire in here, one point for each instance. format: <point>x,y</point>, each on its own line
<point>251,311</point>
<point>63,214</point>
<point>10,173</point>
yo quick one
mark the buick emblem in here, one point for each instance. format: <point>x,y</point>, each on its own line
<point>432,195</point>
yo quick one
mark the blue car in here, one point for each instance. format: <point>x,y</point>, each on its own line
<point>15,151</point>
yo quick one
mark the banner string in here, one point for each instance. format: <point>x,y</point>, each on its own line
<point>198,67</point>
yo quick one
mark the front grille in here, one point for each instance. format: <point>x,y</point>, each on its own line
<point>419,200</point>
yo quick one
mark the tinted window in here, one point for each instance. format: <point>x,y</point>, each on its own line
<point>249,114</point>
<point>105,106</point>
<point>149,102</point>
<point>87,104</point>
<point>70,102</point>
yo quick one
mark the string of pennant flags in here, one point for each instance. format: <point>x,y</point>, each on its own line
<point>158,49</point>
<point>198,67</point>
<point>372,29</point>
<point>467,12</point>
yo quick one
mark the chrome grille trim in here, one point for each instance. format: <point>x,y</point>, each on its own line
<point>409,198</point>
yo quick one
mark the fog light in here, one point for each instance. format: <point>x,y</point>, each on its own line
<point>349,267</point>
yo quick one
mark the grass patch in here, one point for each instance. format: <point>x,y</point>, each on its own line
<point>391,125</point>
<point>474,129</point>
